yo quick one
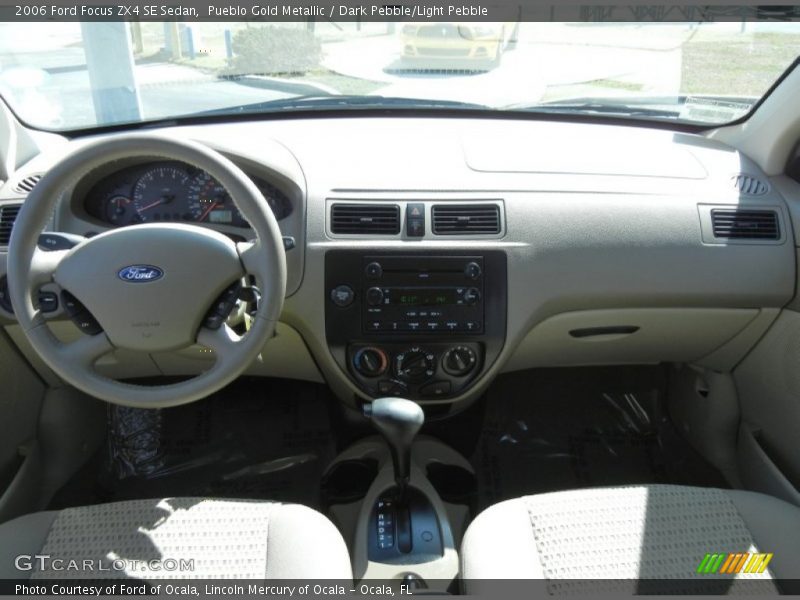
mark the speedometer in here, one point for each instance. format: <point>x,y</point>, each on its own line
<point>209,202</point>
<point>160,195</point>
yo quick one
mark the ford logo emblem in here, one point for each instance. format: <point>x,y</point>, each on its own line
<point>140,273</point>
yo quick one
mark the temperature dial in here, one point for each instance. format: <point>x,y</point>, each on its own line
<point>459,361</point>
<point>415,364</point>
<point>370,361</point>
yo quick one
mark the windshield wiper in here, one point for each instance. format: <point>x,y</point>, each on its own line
<point>334,102</point>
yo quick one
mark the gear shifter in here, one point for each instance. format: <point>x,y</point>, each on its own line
<point>398,420</point>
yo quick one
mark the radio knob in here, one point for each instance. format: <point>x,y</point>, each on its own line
<point>415,364</point>
<point>374,296</point>
<point>370,361</point>
<point>459,361</point>
<point>472,295</point>
<point>472,270</point>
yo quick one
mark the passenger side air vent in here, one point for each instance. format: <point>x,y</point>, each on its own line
<point>741,224</point>
<point>749,185</point>
<point>365,219</point>
<point>8,214</point>
<point>26,185</point>
<point>466,219</point>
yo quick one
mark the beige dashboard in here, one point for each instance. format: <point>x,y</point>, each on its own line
<point>604,227</point>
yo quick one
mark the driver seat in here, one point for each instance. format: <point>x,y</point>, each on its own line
<point>175,538</point>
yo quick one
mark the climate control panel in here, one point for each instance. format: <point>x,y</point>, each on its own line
<point>426,371</point>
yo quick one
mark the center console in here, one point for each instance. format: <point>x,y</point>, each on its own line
<point>420,326</point>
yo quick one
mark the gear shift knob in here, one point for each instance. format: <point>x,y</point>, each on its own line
<point>398,420</point>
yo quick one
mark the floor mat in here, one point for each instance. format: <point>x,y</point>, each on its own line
<point>555,429</point>
<point>264,438</point>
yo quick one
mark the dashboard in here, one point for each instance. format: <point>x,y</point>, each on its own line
<point>168,191</point>
<point>603,250</point>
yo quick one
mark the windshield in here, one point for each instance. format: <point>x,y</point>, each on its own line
<point>69,76</point>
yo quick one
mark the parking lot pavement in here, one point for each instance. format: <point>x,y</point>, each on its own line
<point>526,71</point>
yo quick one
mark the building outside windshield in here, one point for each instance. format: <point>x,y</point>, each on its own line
<point>71,75</point>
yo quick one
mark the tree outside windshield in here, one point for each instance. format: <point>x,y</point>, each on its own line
<point>67,76</point>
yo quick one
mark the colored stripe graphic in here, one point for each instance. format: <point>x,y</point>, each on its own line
<point>734,562</point>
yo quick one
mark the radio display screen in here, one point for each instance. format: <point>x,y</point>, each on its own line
<point>424,297</point>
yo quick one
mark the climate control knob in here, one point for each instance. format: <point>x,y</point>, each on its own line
<point>370,361</point>
<point>459,361</point>
<point>415,364</point>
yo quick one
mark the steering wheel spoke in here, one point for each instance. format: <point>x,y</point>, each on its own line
<point>44,264</point>
<point>221,341</point>
<point>86,350</point>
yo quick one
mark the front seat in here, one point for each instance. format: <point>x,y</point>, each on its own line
<point>175,538</point>
<point>626,538</point>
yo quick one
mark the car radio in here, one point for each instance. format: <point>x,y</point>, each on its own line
<point>417,325</point>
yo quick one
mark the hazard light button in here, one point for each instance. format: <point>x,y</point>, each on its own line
<point>415,219</point>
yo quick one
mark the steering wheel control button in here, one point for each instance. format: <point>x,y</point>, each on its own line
<point>48,302</point>
<point>222,307</point>
<point>415,220</point>
<point>342,296</point>
<point>79,314</point>
<point>50,242</point>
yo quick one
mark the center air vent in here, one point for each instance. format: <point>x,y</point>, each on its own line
<point>26,185</point>
<point>365,219</point>
<point>8,214</point>
<point>466,219</point>
<point>745,224</point>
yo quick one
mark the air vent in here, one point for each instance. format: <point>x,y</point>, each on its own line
<point>466,219</point>
<point>8,214</point>
<point>749,185</point>
<point>743,224</point>
<point>365,219</point>
<point>26,185</point>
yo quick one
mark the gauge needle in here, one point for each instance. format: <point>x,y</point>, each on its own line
<point>151,205</point>
<point>208,210</point>
<point>166,199</point>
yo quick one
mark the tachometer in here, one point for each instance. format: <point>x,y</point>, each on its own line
<point>160,195</point>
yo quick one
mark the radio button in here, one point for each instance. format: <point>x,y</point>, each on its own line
<point>471,326</point>
<point>452,325</point>
<point>374,270</point>
<point>374,296</point>
<point>374,325</point>
<point>472,270</point>
<point>433,326</point>
<point>472,295</point>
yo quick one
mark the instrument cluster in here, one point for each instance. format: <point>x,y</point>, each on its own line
<point>172,192</point>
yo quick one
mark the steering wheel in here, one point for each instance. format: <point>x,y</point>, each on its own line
<point>149,287</point>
